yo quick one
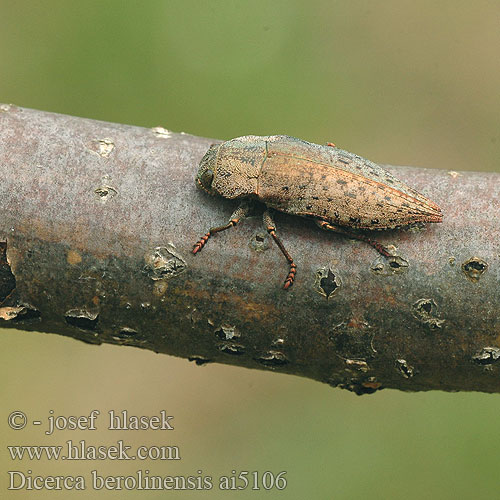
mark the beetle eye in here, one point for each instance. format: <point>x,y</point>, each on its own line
<point>206,178</point>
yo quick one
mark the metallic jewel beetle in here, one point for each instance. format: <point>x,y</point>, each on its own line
<point>341,190</point>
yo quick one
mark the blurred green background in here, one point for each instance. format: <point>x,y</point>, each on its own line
<point>399,82</point>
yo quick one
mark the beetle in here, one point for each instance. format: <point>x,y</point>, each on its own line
<point>340,190</point>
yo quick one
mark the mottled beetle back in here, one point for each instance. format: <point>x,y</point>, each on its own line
<point>331,184</point>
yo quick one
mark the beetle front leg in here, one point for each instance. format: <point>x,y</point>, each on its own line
<point>240,213</point>
<point>358,236</point>
<point>271,229</point>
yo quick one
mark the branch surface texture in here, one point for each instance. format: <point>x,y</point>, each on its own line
<point>97,224</point>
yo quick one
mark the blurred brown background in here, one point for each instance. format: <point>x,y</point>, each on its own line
<point>400,82</point>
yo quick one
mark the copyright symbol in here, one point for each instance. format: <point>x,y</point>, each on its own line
<point>17,420</point>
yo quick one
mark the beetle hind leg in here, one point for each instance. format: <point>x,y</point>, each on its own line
<point>240,213</point>
<point>357,236</point>
<point>271,229</point>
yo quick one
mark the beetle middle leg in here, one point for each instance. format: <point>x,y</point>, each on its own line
<point>271,229</point>
<point>240,213</point>
<point>358,236</point>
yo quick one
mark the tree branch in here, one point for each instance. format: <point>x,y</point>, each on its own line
<point>98,222</point>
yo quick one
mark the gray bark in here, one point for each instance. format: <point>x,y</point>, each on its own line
<point>98,221</point>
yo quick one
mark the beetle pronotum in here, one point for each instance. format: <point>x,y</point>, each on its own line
<point>341,190</point>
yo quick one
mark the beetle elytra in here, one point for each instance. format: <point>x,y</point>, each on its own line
<point>341,190</point>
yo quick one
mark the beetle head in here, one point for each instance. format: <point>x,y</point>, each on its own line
<point>206,170</point>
